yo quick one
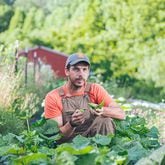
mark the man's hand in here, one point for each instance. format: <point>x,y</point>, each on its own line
<point>98,112</point>
<point>77,118</point>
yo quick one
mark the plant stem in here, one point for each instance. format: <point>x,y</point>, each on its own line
<point>28,126</point>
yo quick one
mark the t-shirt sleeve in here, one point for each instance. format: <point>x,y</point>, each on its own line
<point>99,94</point>
<point>52,106</point>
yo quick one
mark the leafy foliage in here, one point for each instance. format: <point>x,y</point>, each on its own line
<point>125,39</point>
<point>131,142</point>
<point>156,157</point>
<point>47,129</point>
<point>10,122</point>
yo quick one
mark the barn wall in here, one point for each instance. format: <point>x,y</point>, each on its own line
<point>55,60</point>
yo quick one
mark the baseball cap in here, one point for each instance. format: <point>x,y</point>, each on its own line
<point>76,58</point>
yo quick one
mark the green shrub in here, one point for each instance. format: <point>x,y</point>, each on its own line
<point>10,122</point>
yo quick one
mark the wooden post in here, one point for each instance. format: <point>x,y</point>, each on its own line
<point>38,70</point>
<point>26,66</point>
<point>16,57</point>
<point>34,68</point>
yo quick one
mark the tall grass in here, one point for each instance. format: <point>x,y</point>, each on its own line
<point>17,99</point>
<point>9,84</point>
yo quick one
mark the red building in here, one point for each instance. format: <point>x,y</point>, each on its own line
<point>47,56</point>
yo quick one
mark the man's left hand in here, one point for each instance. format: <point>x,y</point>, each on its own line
<point>98,112</point>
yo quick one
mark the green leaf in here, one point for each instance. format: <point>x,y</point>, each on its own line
<point>120,160</point>
<point>86,159</point>
<point>48,128</point>
<point>71,149</point>
<point>135,151</point>
<point>156,157</point>
<point>65,158</point>
<point>101,105</point>
<point>93,105</point>
<point>153,132</point>
<point>96,106</point>
<point>37,158</point>
<point>51,138</point>
<point>46,150</point>
<point>14,149</point>
<point>40,122</point>
<point>149,143</point>
<point>102,139</point>
<point>82,110</point>
<point>80,142</point>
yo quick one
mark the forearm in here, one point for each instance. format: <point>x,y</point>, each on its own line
<point>113,112</point>
<point>67,130</point>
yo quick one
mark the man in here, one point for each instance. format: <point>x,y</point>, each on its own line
<point>65,104</point>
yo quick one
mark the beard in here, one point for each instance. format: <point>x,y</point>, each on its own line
<point>77,82</point>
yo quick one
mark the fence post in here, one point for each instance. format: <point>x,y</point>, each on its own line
<point>34,66</point>
<point>26,66</point>
<point>16,57</point>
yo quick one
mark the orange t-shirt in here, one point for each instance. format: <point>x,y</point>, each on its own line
<point>53,101</point>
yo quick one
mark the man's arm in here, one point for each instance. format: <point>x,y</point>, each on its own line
<point>113,111</point>
<point>111,108</point>
<point>52,108</point>
<point>67,130</point>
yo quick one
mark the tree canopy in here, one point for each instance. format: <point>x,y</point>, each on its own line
<point>124,39</point>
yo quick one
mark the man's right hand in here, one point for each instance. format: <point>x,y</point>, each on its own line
<point>77,118</point>
<point>98,112</point>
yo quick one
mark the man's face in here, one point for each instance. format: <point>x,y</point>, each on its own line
<point>78,74</point>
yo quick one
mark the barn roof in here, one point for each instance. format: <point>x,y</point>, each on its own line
<point>22,52</point>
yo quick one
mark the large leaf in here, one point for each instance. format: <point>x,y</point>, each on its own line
<point>39,122</point>
<point>86,159</point>
<point>154,133</point>
<point>135,151</point>
<point>13,149</point>
<point>80,142</point>
<point>51,138</point>
<point>33,158</point>
<point>156,157</point>
<point>47,151</point>
<point>71,149</point>
<point>48,128</point>
<point>65,158</point>
<point>102,139</point>
<point>8,139</point>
